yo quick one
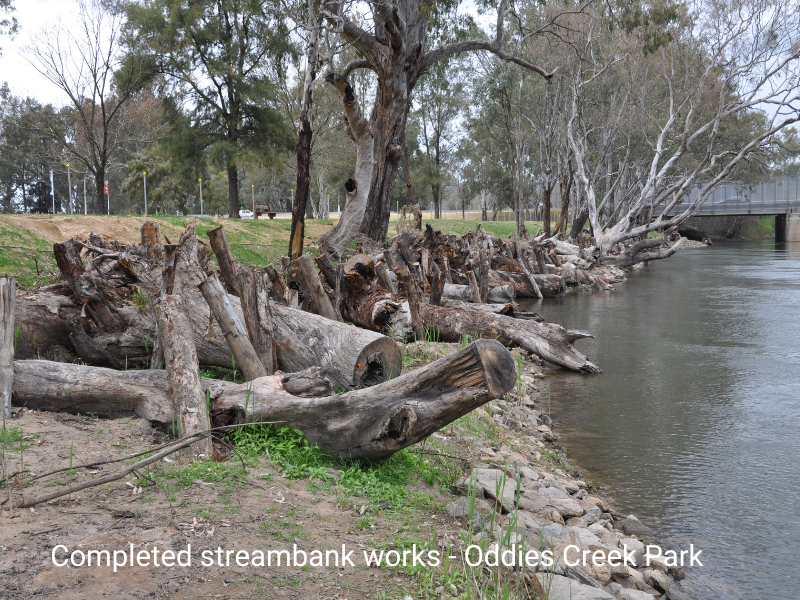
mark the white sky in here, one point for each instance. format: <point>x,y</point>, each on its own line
<point>20,76</point>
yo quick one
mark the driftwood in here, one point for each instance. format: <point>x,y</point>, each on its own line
<point>257,316</point>
<point>550,342</point>
<point>370,423</point>
<point>8,295</point>
<point>550,285</point>
<point>232,328</point>
<point>183,372</point>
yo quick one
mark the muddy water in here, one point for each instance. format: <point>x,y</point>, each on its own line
<point>694,424</point>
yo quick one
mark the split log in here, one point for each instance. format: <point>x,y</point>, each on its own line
<point>43,317</point>
<point>483,281</point>
<point>387,278</point>
<point>473,286</point>
<point>352,357</point>
<point>227,266</point>
<point>414,300</point>
<point>277,283</point>
<point>8,303</point>
<point>531,279</point>
<point>321,299</point>
<point>257,316</point>
<point>232,328</point>
<point>548,341</point>
<point>370,423</point>
<point>183,371</point>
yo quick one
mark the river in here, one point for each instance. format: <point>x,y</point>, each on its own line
<point>694,425</point>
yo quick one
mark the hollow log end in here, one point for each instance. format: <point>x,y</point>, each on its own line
<point>499,366</point>
<point>378,361</point>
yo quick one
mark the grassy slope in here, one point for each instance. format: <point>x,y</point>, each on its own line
<point>28,240</point>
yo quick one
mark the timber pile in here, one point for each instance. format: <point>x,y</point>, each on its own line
<point>124,311</point>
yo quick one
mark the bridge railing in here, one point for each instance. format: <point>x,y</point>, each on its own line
<point>779,196</point>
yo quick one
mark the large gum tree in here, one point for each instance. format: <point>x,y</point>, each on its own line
<point>393,44</point>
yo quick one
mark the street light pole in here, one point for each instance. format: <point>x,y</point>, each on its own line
<point>328,208</point>
<point>292,190</point>
<point>69,185</point>
<point>53,191</point>
<point>108,197</point>
<point>144,174</point>
<point>201,196</point>
<point>85,205</point>
<point>253,192</point>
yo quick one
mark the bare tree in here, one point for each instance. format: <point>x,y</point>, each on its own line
<point>86,63</point>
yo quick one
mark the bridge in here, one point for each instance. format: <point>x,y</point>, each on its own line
<point>780,197</point>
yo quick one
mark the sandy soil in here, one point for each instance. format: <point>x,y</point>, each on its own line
<point>266,512</point>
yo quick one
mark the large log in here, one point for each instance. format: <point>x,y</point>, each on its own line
<point>257,316</point>
<point>8,302</point>
<point>499,294</point>
<point>352,357</point>
<point>183,371</point>
<point>321,299</point>
<point>550,285</point>
<point>548,341</point>
<point>370,423</point>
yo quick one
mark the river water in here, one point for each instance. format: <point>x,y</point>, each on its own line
<point>694,425</point>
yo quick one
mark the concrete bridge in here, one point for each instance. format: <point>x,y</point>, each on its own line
<point>780,197</point>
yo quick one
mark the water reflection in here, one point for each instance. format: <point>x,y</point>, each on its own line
<point>695,423</point>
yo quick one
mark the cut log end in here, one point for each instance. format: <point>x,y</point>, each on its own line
<point>379,361</point>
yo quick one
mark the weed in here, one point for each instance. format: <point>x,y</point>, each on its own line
<point>140,300</point>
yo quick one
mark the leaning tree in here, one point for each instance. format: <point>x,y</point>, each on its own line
<point>394,45</point>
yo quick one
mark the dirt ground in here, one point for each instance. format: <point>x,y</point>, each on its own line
<point>264,511</point>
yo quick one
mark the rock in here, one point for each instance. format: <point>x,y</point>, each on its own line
<point>556,586</point>
<point>547,434</point>
<point>553,515</point>
<point>584,521</point>
<point>635,546</point>
<point>459,507</point>
<point>580,483</point>
<point>634,595</point>
<point>489,480</point>
<point>555,493</point>
<point>567,507</point>
<point>678,573</point>
<point>529,473</point>
<point>532,502</point>
<point>601,504</point>
<point>633,526</point>
<point>614,589</point>
<point>657,579</point>
<point>570,487</point>
<point>676,593</point>
<point>658,562</point>
<point>580,495</point>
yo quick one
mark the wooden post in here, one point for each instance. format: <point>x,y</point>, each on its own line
<point>414,300</point>
<point>437,287</point>
<point>232,328</point>
<point>309,269</point>
<point>227,266</point>
<point>8,307</point>
<point>277,282</point>
<point>446,269</point>
<point>183,370</point>
<point>151,239</point>
<point>257,316</point>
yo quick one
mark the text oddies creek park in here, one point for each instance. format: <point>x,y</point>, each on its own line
<point>513,556</point>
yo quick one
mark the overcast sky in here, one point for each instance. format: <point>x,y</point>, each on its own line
<point>21,77</point>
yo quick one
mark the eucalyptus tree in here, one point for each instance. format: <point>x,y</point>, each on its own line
<point>715,95</point>
<point>393,44</point>
<point>223,59</point>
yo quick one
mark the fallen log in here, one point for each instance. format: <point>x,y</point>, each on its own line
<point>549,285</point>
<point>499,309</point>
<point>352,357</point>
<point>227,266</point>
<point>499,294</point>
<point>257,316</point>
<point>370,423</point>
<point>183,371</point>
<point>8,296</point>
<point>548,341</point>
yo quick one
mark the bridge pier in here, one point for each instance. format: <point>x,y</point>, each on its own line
<point>787,227</point>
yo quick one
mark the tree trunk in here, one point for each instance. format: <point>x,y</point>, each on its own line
<point>549,286</point>
<point>257,316</point>
<point>8,296</point>
<point>151,239</point>
<point>352,357</point>
<point>357,188</point>
<point>303,187</point>
<point>227,266</point>
<point>414,301</point>
<point>548,341</point>
<point>183,371</point>
<point>437,288</point>
<point>232,328</point>
<point>371,423</point>
<point>233,192</point>
<point>548,190</point>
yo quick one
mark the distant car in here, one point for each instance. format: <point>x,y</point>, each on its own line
<point>732,200</point>
<point>245,214</point>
